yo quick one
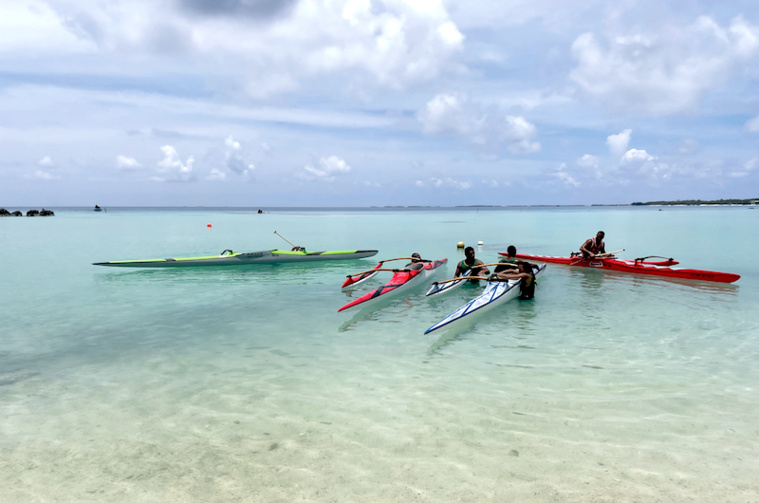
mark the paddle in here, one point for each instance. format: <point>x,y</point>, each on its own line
<point>399,258</point>
<point>295,247</point>
<point>459,279</point>
<point>506,264</point>
<point>377,270</point>
<point>600,255</point>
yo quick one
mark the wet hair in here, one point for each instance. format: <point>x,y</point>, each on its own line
<point>527,266</point>
<point>511,250</point>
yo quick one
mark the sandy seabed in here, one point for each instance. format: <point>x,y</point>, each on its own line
<point>340,439</point>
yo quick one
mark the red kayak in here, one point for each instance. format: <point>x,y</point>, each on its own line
<point>401,281</point>
<point>637,266</point>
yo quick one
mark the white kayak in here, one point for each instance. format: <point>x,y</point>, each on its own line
<point>496,293</point>
<point>437,288</point>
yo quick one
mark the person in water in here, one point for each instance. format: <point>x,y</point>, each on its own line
<point>475,266</point>
<point>525,273</point>
<point>509,261</point>
<point>594,246</point>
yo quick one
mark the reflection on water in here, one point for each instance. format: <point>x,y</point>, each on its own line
<point>593,281</point>
<point>523,317</point>
<point>451,334</point>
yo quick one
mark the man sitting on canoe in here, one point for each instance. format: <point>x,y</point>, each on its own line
<point>594,246</point>
<point>416,263</point>
<point>475,266</point>
<point>525,273</point>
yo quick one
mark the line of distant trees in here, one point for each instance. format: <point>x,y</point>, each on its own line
<point>694,202</point>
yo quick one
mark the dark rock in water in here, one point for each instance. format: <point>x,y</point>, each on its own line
<point>30,213</point>
<point>40,213</point>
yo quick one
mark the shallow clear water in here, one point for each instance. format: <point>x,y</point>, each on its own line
<point>246,384</point>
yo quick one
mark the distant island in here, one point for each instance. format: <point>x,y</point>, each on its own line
<point>699,202</point>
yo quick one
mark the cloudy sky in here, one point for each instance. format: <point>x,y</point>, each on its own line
<point>377,102</point>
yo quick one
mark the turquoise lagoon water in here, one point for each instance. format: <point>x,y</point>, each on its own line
<point>246,384</point>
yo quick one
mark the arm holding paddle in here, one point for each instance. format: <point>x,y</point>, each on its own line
<point>381,269</point>
<point>471,264</point>
<point>476,277</point>
<point>594,246</point>
<point>460,278</point>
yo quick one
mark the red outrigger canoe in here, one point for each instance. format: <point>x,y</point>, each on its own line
<point>637,266</point>
<point>402,280</point>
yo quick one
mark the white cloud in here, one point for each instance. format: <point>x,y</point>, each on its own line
<point>588,161</point>
<point>449,114</point>
<point>565,177</point>
<point>45,175</point>
<point>689,146</point>
<point>658,171</point>
<point>329,168</point>
<point>446,182</point>
<point>635,155</point>
<point>234,159</point>
<point>618,142</point>
<point>127,163</point>
<point>390,43</point>
<point>32,26</point>
<point>663,72</point>
<point>518,134</point>
<point>748,168</point>
<point>753,125</point>
<point>216,175</point>
<point>172,169</point>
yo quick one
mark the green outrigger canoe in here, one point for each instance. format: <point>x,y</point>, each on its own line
<point>230,258</point>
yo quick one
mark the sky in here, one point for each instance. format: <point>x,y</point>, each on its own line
<point>265,103</point>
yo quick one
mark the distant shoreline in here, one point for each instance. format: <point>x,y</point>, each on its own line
<point>472,207</point>
<point>699,202</point>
